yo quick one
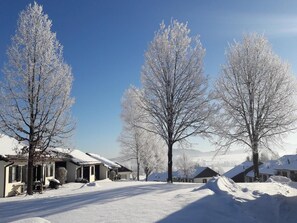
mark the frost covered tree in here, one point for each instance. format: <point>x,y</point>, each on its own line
<point>174,87</point>
<point>131,138</point>
<point>185,165</point>
<point>256,92</point>
<point>35,94</point>
<point>152,157</point>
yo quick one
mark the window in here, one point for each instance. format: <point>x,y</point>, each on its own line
<point>78,173</point>
<point>204,181</point>
<point>14,174</point>
<point>51,170</point>
<point>92,170</point>
<point>24,174</point>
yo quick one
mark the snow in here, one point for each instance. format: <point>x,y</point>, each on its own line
<point>77,156</point>
<point>32,220</point>
<point>238,169</point>
<point>131,201</point>
<point>8,145</point>
<point>105,161</point>
<point>287,162</point>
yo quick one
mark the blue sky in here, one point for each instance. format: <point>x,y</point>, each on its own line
<point>105,42</point>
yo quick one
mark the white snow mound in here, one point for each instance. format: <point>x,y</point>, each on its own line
<point>32,220</point>
<point>222,185</point>
<point>279,179</point>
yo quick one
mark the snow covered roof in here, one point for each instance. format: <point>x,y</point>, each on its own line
<point>162,176</point>
<point>265,168</point>
<point>197,171</point>
<point>77,156</point>
<point>287,162</point>
<point>9,145</point>
<point>238,169</point>
<point>105,161</point>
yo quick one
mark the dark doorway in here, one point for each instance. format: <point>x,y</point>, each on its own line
<point>37,173</point>
<point>97,172</point>
<point>86,173</point>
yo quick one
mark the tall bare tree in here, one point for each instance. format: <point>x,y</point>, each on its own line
<point>35,95</point>
<point>131,138</point>
<point>257,95</point>
<point>174,86</point>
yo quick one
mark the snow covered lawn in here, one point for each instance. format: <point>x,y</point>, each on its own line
<point>218,201</point>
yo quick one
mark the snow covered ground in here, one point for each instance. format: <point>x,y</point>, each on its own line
<point>220,200</point>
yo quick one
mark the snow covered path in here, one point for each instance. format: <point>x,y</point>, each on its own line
<point>218,201</point>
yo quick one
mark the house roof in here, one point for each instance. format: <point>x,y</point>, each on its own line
<point>123,168</point>
<point>286,162</point>
<point>162,176</point>
<point>265,168</point>
<point>204,172</point>
<point>9,146</point>
<point>77,156</point>
<point>238,169</point>
<point>108,163</point>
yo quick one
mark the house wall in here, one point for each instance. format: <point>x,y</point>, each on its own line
<point>200,180</point>
<point>125,175</point>
<point>2,164</point>
<point>15,187</point>
<point>103,172</point>
<point>71,172</point>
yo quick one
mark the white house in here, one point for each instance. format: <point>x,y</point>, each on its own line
<point>13,168</point>
<point>102,170</point>
<point>238,173</point>
<point>284,166</point>
<point>198,175</point>
<point>78,164</point>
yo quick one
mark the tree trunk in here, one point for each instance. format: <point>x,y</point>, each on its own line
<point>169,179</point>
<point>256,161</point>
<point>138,167</point>
<point>146,176</point>
<point>30,172</point>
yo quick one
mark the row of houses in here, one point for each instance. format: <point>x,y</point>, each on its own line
<point>79,165</point>
<point>284,166</point>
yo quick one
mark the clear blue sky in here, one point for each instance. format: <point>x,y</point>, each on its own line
<point>104,42</point>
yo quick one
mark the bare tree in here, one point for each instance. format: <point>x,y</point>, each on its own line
<point>185,165</point>
<point>35,95</point>
<point>174,95</point>
<point>131,138</point>
<point>256,94</point>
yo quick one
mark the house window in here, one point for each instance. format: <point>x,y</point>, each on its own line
<point>24,174</point>
<point>52,170</point>
<point>284,174</point>
<point>78,173</point>
<point>92,170</point>
<point>204,181</point>
<point>14,174</point>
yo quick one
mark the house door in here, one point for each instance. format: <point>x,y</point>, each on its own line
<point>97,172</point>
<point>86,173</point>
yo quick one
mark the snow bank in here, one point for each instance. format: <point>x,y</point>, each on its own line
<point>222,185</point>
<point>32,220</point>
